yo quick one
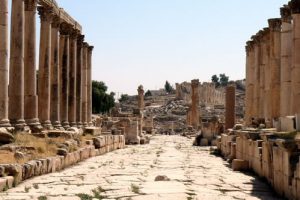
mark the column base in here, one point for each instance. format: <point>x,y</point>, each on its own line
<point>90,124</point>
<point>57,125</point>
<point>85,124</point>
<point>20,125</point>
<point>79,125</point>
<point>66,125</point>
<point>47,125</point>
<point>5,123</point>
<point>34,125</point>
<point>73,124</point>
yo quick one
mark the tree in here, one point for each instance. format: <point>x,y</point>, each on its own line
<point>124,97</point>
<point>102,102</point>
<point>224,80</point>
<point>215,79</point>
<point>148,93</point>
<point>168,87</point>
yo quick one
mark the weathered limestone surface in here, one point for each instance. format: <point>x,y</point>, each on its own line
<point>141,103</point>
<point>191,172</point>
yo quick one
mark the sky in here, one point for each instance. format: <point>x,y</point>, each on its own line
<point>150,41</point>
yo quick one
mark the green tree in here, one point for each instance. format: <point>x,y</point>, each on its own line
<point>224,80</point>
<point>124,97</point>
<point>102,102</point>
<point>215,79</point>
<point>148,93</point>
<point>168,87</point>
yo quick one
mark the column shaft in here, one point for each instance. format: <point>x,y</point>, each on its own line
<point>44,67</point>
<point>4,122</point>
<point>286,62</point>
<point>72,79</point>
<point>84,85</point>
<point>230,107</point>
<point>89,86</point>
<point>195,104</point>
<point>30,88</point>
<point>55,75</point>
<point>16,72</point>
<point>79,81</point>
<point>64,75</point>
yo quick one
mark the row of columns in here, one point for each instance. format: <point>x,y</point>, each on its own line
<point>273,67</point>
<point>61,97</point>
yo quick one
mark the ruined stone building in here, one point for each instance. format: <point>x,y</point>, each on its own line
<point>59,96</point>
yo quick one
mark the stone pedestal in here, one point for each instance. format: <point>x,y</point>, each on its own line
<point>286,62</point>
<point>72,79</point>
<point>230,107</point>
<point>30,92</point>
<point>55,75</point>
<point>4,122</point>
<point>64,74</point>
<point>195,115</point>
<point>16,71</point>
<point>79,80</point>
<point>44,67</point>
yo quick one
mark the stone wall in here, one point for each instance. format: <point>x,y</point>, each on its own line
<point>13,174</point>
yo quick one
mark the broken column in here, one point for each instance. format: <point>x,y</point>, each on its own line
<point>89,85</point>
<point>72,78</point>
<point>55,75</point>
<point>286,61</point>
<point>16,71</point>
<point>274,63</point>
<point>4,122</point>
<point>44,67</point>
<point>195,104</point>
<point>64,73</point>
<point>230,107</point>
<point>141,103</point>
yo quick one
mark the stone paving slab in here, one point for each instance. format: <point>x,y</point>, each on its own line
<point>129,174</point>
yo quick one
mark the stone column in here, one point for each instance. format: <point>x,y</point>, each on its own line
<point>195,115</point>
<point>30,88</point>
<point>44,67</point>
<point>89,86</point>
<point>64,63</point>
<point>79,80</point>
<point>275,57</point>
<point>4,122</point>
<point>230,107</point>
<point>256,96</point>
<point>286,61</point>
<point>249,83</point>
<point>295,9</point>
<point>16,71</point>
<point>141,103</point>
<point>84,84</point>
<point>72,78</point>
<point>55,75</point>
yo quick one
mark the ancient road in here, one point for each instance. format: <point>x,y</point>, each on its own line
<point>130,173</point>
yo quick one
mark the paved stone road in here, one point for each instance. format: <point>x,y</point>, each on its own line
<point>130,173</point>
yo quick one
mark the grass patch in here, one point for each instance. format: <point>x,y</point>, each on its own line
<point>42,198</point>
<point>135,189</point>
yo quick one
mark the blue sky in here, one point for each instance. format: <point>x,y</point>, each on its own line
<point>150,41</point>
